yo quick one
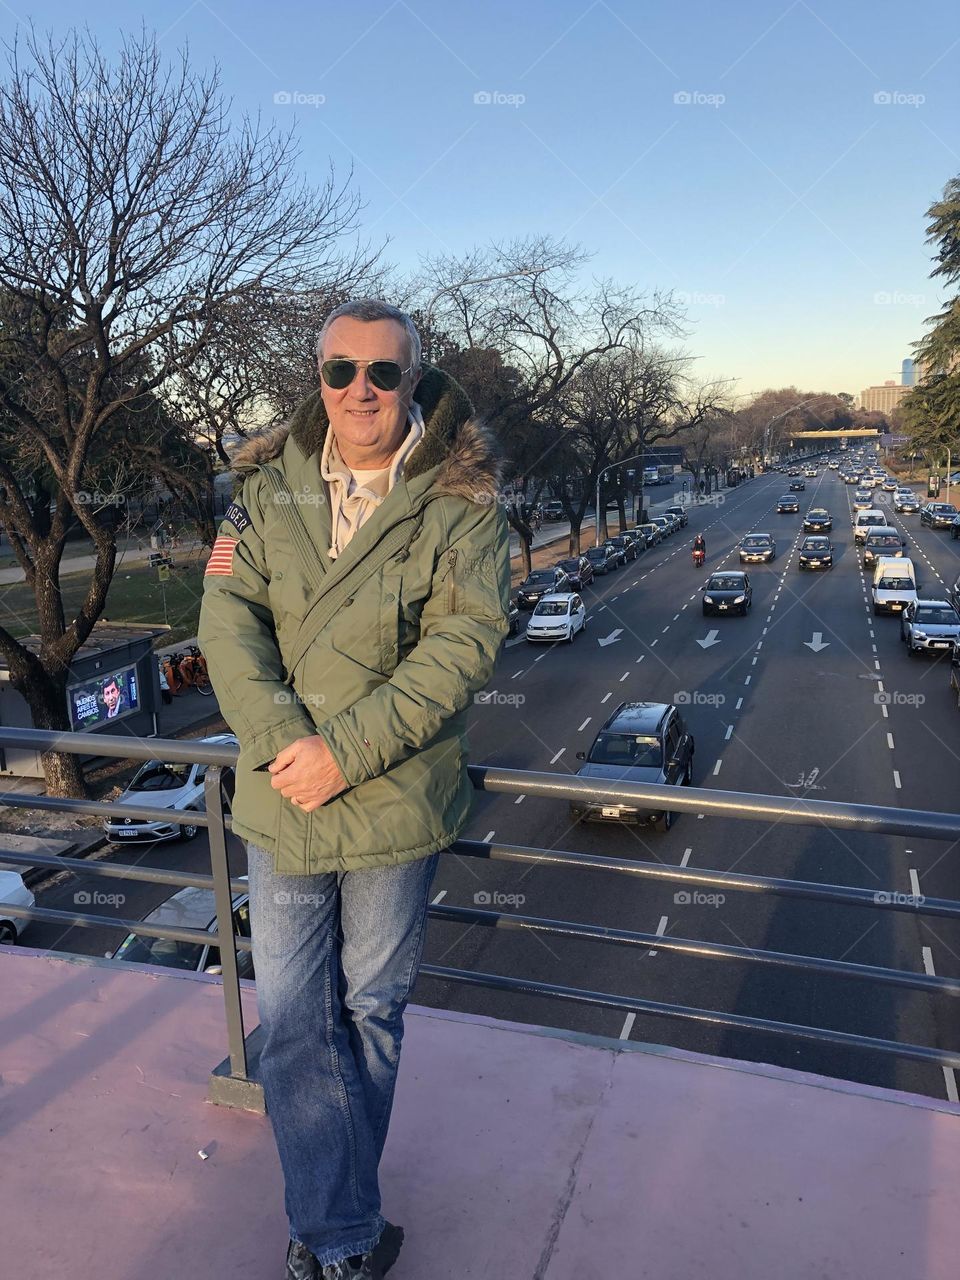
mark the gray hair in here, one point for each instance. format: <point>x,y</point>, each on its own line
<point>368,310</point>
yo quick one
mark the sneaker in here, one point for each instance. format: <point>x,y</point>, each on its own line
<point>302,1265</point>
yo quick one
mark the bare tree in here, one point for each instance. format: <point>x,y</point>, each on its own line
<point>133,218</point>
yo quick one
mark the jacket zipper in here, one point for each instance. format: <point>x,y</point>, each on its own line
<point>451,582</point>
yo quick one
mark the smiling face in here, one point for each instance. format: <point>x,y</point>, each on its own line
<point>368,424</point>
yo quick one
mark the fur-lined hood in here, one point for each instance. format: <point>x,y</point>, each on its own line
<point>462,448</point>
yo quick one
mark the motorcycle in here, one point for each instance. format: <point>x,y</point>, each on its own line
<point>699,555</point>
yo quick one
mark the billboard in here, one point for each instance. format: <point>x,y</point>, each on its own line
<point>106,698</point>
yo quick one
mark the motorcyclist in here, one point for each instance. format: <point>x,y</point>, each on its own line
<point>699,546</point>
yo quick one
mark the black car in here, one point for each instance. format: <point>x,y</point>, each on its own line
<point>938,515</point>
<point>626,544</point>
<point>579,572</point>
<point>816,552</point>
<point>680,512</point>
<point>787,504</point>
<point>539,583</point>
<point>817,520</point>
<point>881,541</point>
<point>757,548</point>
<point>641,742</point>
<point>797,486</point>
<point>602,559</point>
<point>636,537</point>
<point>513,618</point>
<point>617,550</point>
<point>727,592</point>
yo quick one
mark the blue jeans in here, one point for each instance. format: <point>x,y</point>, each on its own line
<point>336,957</point>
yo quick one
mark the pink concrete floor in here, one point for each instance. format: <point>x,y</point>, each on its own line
<point>512,1153</point>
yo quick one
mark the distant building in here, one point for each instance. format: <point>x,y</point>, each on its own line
<point>907,373</point>
<point>882,399</point>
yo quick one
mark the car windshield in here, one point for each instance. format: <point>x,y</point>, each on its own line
<point>730,583</point>
<point>626,749</point>
<point>891,583</point>
<point>172,955</point>
<point>596,553</point>
<point>570,566</point>
<point>941,617</point>
<point>884,540</point>
<point>816,544</point>
<point>758,540</point>
<point>159,776</point>
<point>787,498</point>
<point>539,577</point>
<point>551,609</point>
<point>945,508</point>
<point>817,513</point>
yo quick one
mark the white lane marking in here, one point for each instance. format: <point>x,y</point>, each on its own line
<point>949,1074</point>
<point>754,662</point>
<point>653,642</point>
<point>660,929</point>
<point>896,780</point>
<point>624,676</point>
<point>488,837</point>
<point>879,686</point>
<point>890,741</point>
<point>716,767</point>
<point>886,714</point>
<point>517,673</point>
<point>686,857</point>
<point>747,681</point>
<point>605,697</point>
<point>628,1026</point>
<point>739,704</point>
<point>558,755</point>
<point>665,629</point>
<point>914,882</point>
<point>520,799</point>
<point>729,734</point>
<point>440,896</point>
<point>876,664</point>
<point>585,723</point>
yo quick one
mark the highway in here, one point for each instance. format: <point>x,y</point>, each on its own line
<point>849,717</point>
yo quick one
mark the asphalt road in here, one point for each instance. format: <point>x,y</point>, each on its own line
<point>853,720</point>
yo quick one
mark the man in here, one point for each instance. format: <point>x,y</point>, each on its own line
<point>354,601</point>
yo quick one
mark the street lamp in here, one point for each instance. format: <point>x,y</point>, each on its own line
<point>600,474</point>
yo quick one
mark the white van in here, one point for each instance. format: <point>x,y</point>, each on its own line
<point>864,521</point>
<point>894,584</point>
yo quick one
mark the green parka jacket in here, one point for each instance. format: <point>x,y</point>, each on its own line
<point>380,650</point>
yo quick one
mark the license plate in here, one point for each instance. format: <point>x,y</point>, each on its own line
<point>896,606</point>
<point>127,831</point>
<point>940,644</point>
<point>722,606</point>
<point>813,562</point>
<point>610,813</point>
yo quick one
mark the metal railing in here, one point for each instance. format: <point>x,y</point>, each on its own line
<point>234,1082</point>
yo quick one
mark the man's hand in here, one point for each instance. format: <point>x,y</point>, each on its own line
<point>306,774</point>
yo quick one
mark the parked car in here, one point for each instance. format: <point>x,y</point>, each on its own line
<point>553,510</point>
<point>513,617</point>
<point>906,502</point>
<point>817,520</point>
<point>579,572</point>
<point>757,548</point>
<point>627,544</point>
<point>938,515</point>
<point>929,624</point>
<point>879,542</point>
<point>189,908</point>
<point>640,742</point>
<point>664,525</point>
<point>171,787</point>
<point>680,512</point>
<point>638,540</point>
<point>557,617</point>
<point>652,532</point>
<point>727,592</point>
<point>16,893</point>
<point>539,583</point>
<point>788,505</point>
<point>816,552</point>
<point>602,559</point>
<point>619,551</point>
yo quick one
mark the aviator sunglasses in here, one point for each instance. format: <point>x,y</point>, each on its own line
<point>386,375</point>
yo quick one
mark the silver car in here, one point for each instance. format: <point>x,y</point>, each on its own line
<point>190,908</point>
<point>929,624</point>
<point>14,891</point>
<point>168,787</point>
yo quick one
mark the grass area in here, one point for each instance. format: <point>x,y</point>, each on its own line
<point>135,595</point>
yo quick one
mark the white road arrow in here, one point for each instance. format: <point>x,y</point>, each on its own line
<point>612,638</point>
<point>710,640</point>
<point>817,643</point>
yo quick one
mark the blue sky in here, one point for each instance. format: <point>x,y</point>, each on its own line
<point>784,191</point>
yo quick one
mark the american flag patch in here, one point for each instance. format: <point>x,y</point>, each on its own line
<point>221,557</point>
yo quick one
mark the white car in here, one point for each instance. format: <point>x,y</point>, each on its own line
<point>558,616</point>
<point>14,891</point>
<point>862,499</point>
<point>165,786</point>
